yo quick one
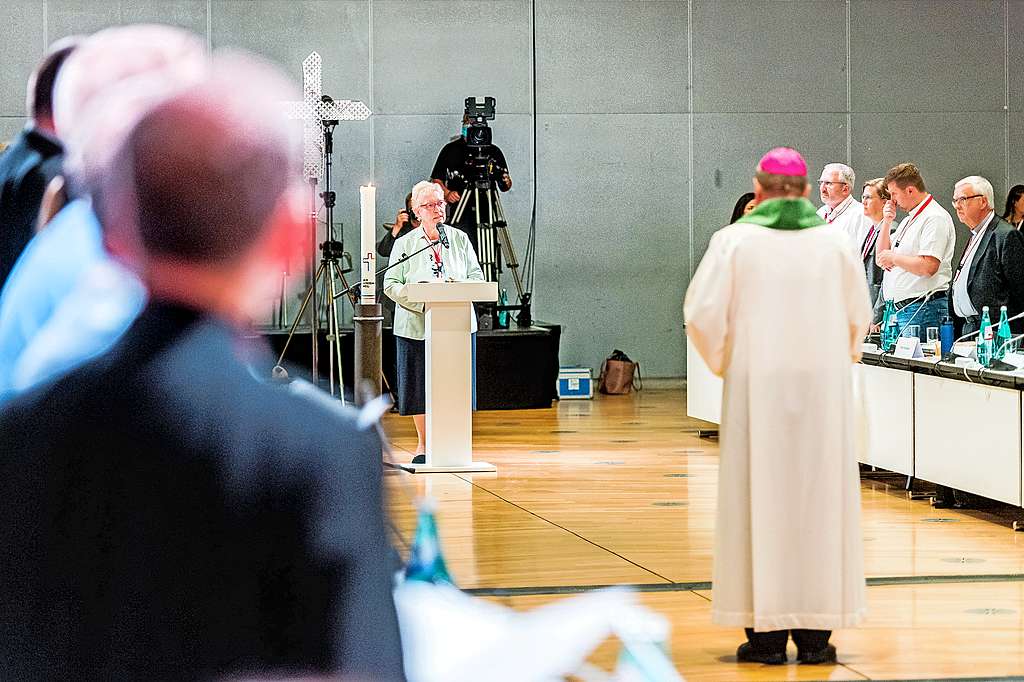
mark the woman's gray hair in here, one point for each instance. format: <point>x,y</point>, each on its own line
<point>423,189</point>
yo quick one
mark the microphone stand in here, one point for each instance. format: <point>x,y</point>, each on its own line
<point>899,332</point>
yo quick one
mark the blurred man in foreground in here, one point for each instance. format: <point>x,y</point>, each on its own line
<point>163,512</point>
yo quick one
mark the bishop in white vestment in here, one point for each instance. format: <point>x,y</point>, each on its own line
<point>779,308</point>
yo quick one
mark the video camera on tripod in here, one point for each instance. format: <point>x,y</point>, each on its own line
<point>481,169</point>
<point>482,177</point>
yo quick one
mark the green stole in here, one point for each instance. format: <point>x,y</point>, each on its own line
<point>784,214</point>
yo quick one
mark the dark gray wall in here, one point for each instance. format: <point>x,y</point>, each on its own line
<point>648,115</point>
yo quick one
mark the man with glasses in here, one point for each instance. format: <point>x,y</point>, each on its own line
<point>990,273</point>
<point>839,207</point>
<point>916,256</point>
<point>991,270</point>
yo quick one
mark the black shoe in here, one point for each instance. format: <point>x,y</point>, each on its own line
<point>826,655</point>
<point>419,459</point>
<point>943,504</point>
<point>747,654</point>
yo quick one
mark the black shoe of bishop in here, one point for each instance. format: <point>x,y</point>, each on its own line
<point>746,653</point>
<point>822,656</point>
<point>419,459</point>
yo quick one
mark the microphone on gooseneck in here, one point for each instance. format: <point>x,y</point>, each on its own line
<point>926,296</point>
<point>443,237</point>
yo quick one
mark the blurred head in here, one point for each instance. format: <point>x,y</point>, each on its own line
<point>209,178</point>
<point>835,184</point>
<point>906,185</point>
<point>781,173</point>
<point>109,82</point>
<point>873,196</point>
<point>428,202</point>
<point>1014,203</point>
<point>744,205</point>
<point>973,200</point>
<point>39,98</point>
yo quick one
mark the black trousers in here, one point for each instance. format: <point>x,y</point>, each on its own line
<point>774,642</point>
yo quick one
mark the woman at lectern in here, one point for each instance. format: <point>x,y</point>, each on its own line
<point>436,251</point>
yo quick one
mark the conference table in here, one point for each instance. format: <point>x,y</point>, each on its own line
<point>935,421</point>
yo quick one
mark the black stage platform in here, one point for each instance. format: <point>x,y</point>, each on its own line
<point>516,368</point>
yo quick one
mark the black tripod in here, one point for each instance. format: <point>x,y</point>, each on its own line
<point>327,272</point>
<point>493,240</point>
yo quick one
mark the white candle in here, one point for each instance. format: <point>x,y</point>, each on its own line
<point>367,233</point>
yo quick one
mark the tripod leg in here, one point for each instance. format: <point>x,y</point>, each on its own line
<point>336,332</point>
<point>298,317</point>
<point>460,208</point>
<point>506,245</point>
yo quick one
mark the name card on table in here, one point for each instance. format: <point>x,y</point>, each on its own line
<point>908,347</point>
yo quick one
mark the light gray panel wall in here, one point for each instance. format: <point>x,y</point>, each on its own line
<point>938,55</point>
<point>188,14</point>
<point>727,148</point>
<point>21,46</point>
<point>429,55</point>
<point>884,140</point>
<point>69,17</point>
<point>596,57</point>
<point>769,56</point>
<point>1016,149</point>
<point>286,31</point>
<point>611,259</point>
<point>1016,59</point>
<point>9,128</point>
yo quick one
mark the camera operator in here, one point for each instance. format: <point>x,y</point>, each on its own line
<point>405,222</point>
<point>454,168</point>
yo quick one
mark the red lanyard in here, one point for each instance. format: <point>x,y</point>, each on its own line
<point>910,222</point>
<point>867,243</point>
<point>972,246</point>
<point>832,216</point>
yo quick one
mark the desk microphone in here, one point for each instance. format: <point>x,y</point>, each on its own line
<point>443,237</point>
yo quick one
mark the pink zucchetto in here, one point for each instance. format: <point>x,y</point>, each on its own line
<point>783,161</point>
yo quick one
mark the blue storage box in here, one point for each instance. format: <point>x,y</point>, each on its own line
<point>575,383</point>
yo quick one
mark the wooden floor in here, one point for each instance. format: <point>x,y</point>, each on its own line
<point>620,490</point>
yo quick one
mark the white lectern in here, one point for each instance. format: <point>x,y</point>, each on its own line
<point>449,385</point>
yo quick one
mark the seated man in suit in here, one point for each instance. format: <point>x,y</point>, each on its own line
<point>164,513</point>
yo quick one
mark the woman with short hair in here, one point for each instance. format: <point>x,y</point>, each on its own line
<point>444,253</point>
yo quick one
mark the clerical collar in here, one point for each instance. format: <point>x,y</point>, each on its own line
<point>784,214</point>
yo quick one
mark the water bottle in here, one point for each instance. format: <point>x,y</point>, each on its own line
<point>426,562</point>
<point>1003,334</point>
<point>503,314</point>
<point>946,335</point>
<point>986,339</point>
<point>891,331</point>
